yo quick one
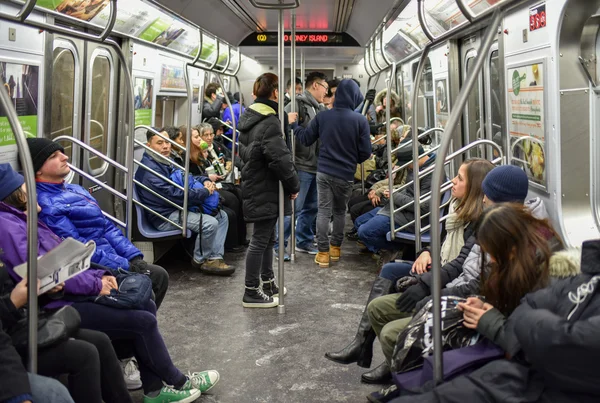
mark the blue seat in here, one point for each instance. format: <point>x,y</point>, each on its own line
<point>403,236</point>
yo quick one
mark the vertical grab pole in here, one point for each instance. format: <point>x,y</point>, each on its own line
<point>32,226</point>
<point>388,138</point>
<point>280,56</point>
<point>233,125</point>
<point>415,148</point>
<point>438,173</point>
<point>292,137</point>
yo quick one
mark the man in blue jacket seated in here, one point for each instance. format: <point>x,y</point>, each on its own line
<point>210,227</point>
<point>345,142</point>
<point>71,211</point>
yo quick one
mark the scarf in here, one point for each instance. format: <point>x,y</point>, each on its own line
<point>455,232</point>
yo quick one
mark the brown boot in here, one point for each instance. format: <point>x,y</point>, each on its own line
<point>322,259</point>
<point>335,252</point>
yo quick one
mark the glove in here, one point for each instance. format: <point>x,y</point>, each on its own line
<point>375,128</point>
<point>370,96</point>
<point>405,282</point>
<point>409,298</point>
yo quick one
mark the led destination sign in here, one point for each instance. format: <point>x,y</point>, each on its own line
<point>302,39</point>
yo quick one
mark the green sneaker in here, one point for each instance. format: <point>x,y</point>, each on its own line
<point>203,381</point>
<point>169,394</point>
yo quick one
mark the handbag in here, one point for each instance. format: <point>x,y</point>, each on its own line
<point>53,327</point>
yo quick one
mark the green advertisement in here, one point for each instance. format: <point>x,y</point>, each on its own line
<point>155,29</point>
<point>29,124</point>
<point>143,117</point>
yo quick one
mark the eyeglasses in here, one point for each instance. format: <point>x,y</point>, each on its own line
<point>324,86</point>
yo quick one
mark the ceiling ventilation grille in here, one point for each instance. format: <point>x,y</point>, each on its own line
<point>243,15</point>
<point>343,11</point>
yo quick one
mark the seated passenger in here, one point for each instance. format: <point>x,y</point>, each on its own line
<point>71,211</point>
<point>209,247</point>
<point>137,328</point>
<point>373,226</point>
<point>466,207</point>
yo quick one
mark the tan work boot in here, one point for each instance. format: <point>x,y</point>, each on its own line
<point>335,252</point>
<point>217,267</point>
<point>322,259</point>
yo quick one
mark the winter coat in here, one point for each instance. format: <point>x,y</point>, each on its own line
<point>344,134</point>
<point>211,109</point>
<point>553,339</point>
<point>267,160</point>
<point>395,112</point>
<point>13,244</point>
<point>70,211</point>
<point>407,195</point>
<point>14,381</point>
<point>306,156</point>
<point>237,111</point>
<point>210,205</point>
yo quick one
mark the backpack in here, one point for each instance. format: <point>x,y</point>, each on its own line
<point>134,292</point>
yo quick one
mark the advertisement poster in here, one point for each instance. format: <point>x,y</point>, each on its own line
<point>195,94</point>
<point>131,17</point>
<point>171,78</point>
<point>526,104</point>
<point>441,107</point>
<point>144,90</point>
<point>155,29</point>
<point>81,9</point>
<point>20,81</point>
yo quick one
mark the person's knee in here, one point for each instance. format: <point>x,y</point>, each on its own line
<point>158,274</point>
<point>374,309</point>
<point>209,225</point>
<point>389,335</point>
<point>82,354</point>
<point>48,390</point>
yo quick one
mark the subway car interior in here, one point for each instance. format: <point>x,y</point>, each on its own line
<point>513,82</point>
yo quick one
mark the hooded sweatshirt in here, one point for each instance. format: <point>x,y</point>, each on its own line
<point>344,134</point>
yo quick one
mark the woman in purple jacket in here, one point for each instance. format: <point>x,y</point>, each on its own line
<point>138,327</point>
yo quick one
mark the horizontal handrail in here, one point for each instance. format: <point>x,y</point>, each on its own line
<point>445,188</point>
<point>424,134</point>
<point>114,219</point>
<point>97,182</point>
<point>156,132</point>
<point>140,184</point>
<point>152,171</point>
<point>272,6</point>
<point>426,197</point>
<point>145,147</point>
<point>92,150</point>
<point>157,214</point>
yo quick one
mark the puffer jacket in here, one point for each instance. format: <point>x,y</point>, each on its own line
<point>13,244</point>
<point>70,211</point>
<point>267,160</point>
<point>306,156</point>
<point>212,109</point>
<point>553,339</point>
<point>195,196</point>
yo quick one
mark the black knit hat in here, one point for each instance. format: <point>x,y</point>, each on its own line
<point>506,183</point>
<point>405,154</point>
<point>41,149</point>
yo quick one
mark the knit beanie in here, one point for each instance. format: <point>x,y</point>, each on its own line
<point>41,149</point>
<point>10,181</point>
<point>405,154</point>
<point>506,183</point>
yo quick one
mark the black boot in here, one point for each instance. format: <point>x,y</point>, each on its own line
<point>360,350</point>
<point>381,374</point>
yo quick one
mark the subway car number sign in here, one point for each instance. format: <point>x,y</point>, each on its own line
<point>537,17</point>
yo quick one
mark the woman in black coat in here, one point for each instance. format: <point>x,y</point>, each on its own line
<point>267,161</point>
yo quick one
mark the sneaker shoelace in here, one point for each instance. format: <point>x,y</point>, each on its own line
<point>174,391</point>
<point>197,379</point>
<point>130,368</point>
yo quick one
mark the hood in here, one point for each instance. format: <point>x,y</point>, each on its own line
<point>256,113</point>
<point>383,93</point>
<point>347,95</point>
<point>590,257</point>
<point>537,208</point>
<point>307,97</point>
<point>566,263</point>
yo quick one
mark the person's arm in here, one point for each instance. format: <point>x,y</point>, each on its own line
<point>307,135</point>
<point>88,282</point>
<point>454,268</point>
<point>279,159</point>
<point>364,143</point>
<point>173,193</point>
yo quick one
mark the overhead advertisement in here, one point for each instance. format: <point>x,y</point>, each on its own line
<point>144,90</point>
<point>526,113</point>
<point>81,9</point>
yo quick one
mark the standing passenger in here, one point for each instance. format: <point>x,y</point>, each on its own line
<point>345,142</point>
<point>267,161</point>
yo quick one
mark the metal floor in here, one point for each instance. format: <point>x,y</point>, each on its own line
<point>264,356</point>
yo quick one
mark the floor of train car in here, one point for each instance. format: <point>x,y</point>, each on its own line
<point>264,356</point>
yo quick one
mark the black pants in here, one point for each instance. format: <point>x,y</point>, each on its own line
<point>232,200</point>
<point>259,258</point>
<point>92,367</point>
<point>158,275</point>
<point>358,206</point>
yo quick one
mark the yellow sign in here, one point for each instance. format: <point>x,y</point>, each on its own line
<point>261,37</point>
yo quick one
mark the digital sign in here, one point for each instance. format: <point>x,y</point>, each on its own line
<point>537,17</point>
<point>302,39</point>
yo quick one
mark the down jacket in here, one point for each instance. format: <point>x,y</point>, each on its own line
<point>267,160</point>
<point>308,108</point>
<point>553,339</point>
<point>70,211</point>
<point>13,245</point>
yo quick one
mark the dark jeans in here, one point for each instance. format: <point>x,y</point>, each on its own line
<point>92,366</point>
<point>141,329</point>
<point>396,270</point>
<point>333,198</point>
<point>372,231</point>
<point>158,275</point>
<point>259,258</point>
<point>232,199</point>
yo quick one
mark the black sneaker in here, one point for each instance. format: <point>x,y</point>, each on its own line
<point>352,235</point>
<point>270,288</point>
<point>256,298</point>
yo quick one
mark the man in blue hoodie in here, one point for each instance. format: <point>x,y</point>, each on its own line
<point>345,143</point>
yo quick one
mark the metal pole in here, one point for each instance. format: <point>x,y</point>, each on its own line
<point>302,67</point>
<point>292,137</point>
<point>388,131</point>
<point>233,124</point>
<point>438,174</point>
<point>280,57</point>
<point>423,22</point>
<point>32,226</point>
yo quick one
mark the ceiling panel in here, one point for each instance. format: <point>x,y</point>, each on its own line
<point>268,55</point>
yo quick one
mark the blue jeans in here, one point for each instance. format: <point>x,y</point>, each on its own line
<point>48,390</point>
<point>372,231</point>
<point>210,243</point>
<point>306,209</point>
<point>395,271</point>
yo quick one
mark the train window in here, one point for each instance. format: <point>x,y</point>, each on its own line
<point>99,108</point>
<point>495,99</point>
<point>473,110</point>
<point>63,96</point>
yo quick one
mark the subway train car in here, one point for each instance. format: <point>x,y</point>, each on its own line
<point>511,81</point>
